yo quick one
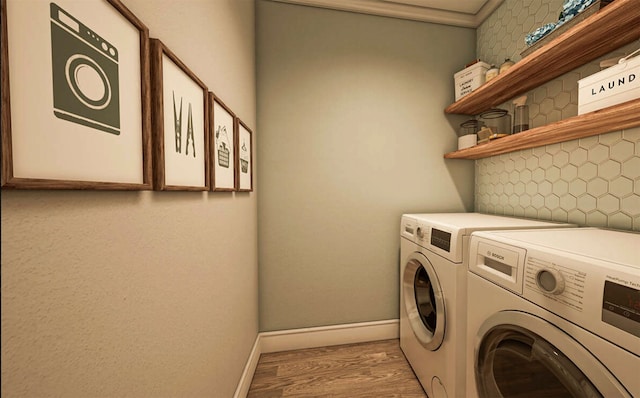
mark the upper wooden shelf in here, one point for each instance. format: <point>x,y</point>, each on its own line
<point>613,118</point>
<point>610,28</point>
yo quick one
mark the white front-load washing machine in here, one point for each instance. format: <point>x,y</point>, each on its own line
<point>554,313</point>
<point>433,271</point>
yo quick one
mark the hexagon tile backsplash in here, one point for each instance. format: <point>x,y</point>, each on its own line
<point>594,181</point>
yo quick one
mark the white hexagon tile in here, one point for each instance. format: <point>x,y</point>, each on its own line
<point>594,181</point>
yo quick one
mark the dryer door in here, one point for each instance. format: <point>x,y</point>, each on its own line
<point>519,354</point>
<point>423,301</point>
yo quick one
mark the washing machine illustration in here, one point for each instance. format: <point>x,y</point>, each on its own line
<point>85,74</point>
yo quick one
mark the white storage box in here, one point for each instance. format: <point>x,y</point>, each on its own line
<point>470,78</point>
<point>617,84</point>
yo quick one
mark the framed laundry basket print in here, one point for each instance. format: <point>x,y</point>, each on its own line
<point>180,124</point>
<point>223,134</point>
<point>75,96</point>
<point>244,150</point>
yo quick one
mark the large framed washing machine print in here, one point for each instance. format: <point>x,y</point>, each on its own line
<point>75,96</point>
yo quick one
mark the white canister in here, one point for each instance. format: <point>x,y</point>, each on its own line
<point>467,141</point>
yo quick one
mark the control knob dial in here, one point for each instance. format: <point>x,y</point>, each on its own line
<point>550,281</point>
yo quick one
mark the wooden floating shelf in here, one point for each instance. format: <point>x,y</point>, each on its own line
<point>607,30</point>
<point>613,118</point>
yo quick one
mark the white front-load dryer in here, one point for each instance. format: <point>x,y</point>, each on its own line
<point>433,277</point>
<point>554,313</point>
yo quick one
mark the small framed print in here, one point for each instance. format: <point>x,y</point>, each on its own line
<point>223,140</point>
<point>75,96</point>
<point>180,124</point>
<point>244,155</point>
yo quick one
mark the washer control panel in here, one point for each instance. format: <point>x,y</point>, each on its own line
<point>599,295</point>
<point>557,282</point>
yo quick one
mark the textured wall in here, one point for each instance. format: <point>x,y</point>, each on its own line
<point>352,134</point>
<point>139,294</point>
<point>593,181</point>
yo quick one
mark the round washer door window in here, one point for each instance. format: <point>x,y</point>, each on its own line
<point>88,81</point>
<point>423,301</point>
<point>513,359</point>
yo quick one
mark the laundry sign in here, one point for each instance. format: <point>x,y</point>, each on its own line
<point>617,84</point>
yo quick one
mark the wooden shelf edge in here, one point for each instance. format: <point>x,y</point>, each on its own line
<point>613,118</point>
<point>577,46</point>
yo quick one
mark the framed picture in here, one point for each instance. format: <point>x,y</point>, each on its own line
<point>244,156</point>
<point>75,96</point>
<point>180,124</point>
<point>223,140</point>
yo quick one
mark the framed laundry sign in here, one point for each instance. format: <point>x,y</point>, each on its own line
<point>223,135</point>
<point>75,96</point>
<point>180,123</point>
<point>244,150</point>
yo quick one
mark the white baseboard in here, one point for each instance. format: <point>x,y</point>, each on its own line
<point>324,336</point>
<point>296,339</point>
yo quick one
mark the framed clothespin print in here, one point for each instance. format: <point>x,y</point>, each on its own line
<point>180,124</point>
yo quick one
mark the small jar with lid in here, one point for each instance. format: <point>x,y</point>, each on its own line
<point>491,73</point>
<point>471,126</point>
<point>506,65</point>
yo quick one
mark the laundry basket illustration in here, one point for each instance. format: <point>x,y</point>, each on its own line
<point>223,151</point>
<point>223,155</point>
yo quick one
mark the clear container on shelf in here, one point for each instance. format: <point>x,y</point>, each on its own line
<point>520,118</point>
<point>498,121</point>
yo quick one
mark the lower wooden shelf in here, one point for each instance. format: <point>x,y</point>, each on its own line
<point>613,118</point>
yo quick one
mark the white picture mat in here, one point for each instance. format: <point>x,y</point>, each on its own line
<point>179,168</point>
<point>244,139</point>
<point>47,147</point>
<point>223,176</point>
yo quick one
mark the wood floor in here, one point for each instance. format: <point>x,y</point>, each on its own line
<point>376,369</point>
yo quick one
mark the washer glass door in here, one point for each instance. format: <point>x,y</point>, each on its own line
<point>423,301</point>
<point>513,359</point>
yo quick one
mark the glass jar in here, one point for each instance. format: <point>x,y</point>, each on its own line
<point>491,73</point>
<point>520,118</point>
<point>498,121</point>
<point>506,65</point>
<point>471,126</point>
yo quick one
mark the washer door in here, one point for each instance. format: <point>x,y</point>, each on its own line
<point>423,301</point>
<point>518,354</point>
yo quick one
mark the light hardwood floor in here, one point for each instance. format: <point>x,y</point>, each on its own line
<point>376,369</point>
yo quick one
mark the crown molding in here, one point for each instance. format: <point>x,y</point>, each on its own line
<point>404,11</point>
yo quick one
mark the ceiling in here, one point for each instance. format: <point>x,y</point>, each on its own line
<point>465,13</point>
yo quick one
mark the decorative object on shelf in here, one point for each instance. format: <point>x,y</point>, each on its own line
<point>498,121</point>
<point>611,86</point>
<point>223,141</point>
<point>74,105</point>
<point>492,72</point>
<point>484,135</point>
<point>468,133</point>
<point>579,45</point>
<point>508,63</point>
<point>613,118</point>
<point>569,16</point>
<point>180,123</point>
<point>470,78</point>
<point>244,157</point>
<point>520,114</point>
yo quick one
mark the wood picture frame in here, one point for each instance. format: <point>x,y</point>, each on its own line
<point>223,140</point>
<point>244,157</point>
<point>180,149</point>
<point>75,96</point>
